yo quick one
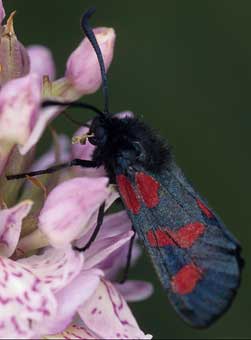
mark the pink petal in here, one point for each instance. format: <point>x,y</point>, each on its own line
<point>2,11</point>
<point>55,267</point>
<point>72,297</point>
<point>107,314</point>
<point>69,207</point>
<point>83,70</point>
<point>73,332</point>
<point>111,197</point>
<point>116,262</point>
<point>133,291</point>
<point>46,115</point>
<point>115,224</point>
<point>10,226</point>
<point>41,61</point>
<point>25,301</point>
<point>19,108</point>
<point>101,249</point>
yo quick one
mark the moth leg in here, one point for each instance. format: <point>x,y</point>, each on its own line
<point>128,259</point>
<point>75,162</point>
<point>100,220</point>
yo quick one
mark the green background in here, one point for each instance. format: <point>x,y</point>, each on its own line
<point>185,66</point>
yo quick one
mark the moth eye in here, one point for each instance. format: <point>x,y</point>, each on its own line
<point>100,135</point>
<point>100,132</point>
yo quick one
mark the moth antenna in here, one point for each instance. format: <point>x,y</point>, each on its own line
<point>47,103</point>
<point>91,36</point>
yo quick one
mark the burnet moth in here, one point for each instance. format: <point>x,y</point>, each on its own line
<point>196,258</point>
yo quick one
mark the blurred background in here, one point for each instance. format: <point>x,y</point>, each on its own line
<point>185,67</point>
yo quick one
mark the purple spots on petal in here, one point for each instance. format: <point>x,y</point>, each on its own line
<point>60,266</point>
<point>114,305</point>
<point>125,322</point>
<point>4,301</point>
<point>100,297</point>
<point>19,300</point>
<point>30,323</point>
<point>16,326</point>
<point>26,296</point>
<point>48,281</point>
<point>30,309</point>
<point>34,287</point>
<point>94,311</point>
<point>2,325</point>
<point>44,311</point>
<point>6,275</point>
<point>18,274</point>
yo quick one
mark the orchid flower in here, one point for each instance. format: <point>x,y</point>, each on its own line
<point>49,289</point>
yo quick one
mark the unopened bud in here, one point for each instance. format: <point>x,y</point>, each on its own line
<point>14,59</point>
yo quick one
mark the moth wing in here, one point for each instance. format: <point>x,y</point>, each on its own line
<point>197,259</point>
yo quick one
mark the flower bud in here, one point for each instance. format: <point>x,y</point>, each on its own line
<point>83,70</point>
<point>14,59</point>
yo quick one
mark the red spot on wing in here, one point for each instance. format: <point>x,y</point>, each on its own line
<point>159,238</point>
<point>186,279</point>
<point>148,189</point>
<point>185,237</point>
<point>204,209</point>
<point>128,194</point>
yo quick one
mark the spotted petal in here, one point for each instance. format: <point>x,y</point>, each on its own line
<point>55,267</point>
<point>25,301</point>
<point>72,297</point>
<point>108,315</point>
<point>10,226</point>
